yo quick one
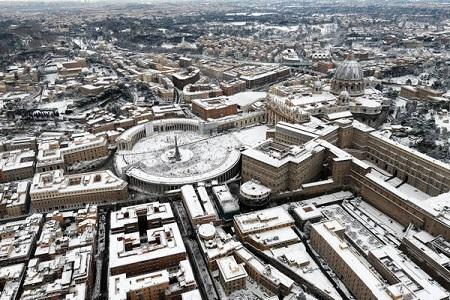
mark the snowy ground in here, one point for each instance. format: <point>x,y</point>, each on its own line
<point>400,102</point>
<point>402,79</point>
<point>85,166</point>
<point>442,120</point>
<point>208,153</point>
<point>51,77</point>
<point>203,153</point>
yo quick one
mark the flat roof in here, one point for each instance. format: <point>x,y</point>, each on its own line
<point>197,202</point>
<point>169,242</point>
<point>409,274</point>
<point>263,220</point>
<point>270,153</point>
<point>230,269</point>
<point>340,248</point>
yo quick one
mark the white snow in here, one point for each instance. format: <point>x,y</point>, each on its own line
<point>244,99</point>
<point>251,136</point>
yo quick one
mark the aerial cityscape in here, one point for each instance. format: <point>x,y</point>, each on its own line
<point>209,150</point>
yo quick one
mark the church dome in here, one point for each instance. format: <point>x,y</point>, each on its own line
<point>344,95</point>
<point>349,77</point>
<point>318,84</point>
<point>349,70</point>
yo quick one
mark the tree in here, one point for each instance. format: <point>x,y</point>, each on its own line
<point>392,93</point>
<point>437,85</point>
<point>379,87</point>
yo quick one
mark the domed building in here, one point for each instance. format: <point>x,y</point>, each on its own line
<point>348,95</point>
<point>343,99</point>
<point>349,77</point>
<point>253,194</point>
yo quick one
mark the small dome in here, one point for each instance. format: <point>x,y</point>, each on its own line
<point>349,70</point>
<point>344,95</point>
<point>207,231</point>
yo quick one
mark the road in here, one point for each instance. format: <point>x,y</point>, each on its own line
<point>202,275</point>
<point>101,262</point>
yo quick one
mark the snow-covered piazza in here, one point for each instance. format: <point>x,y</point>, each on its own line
<point>202,158</point>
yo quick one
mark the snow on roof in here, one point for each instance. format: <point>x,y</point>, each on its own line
<point>230,269</point>
<point>246,98</point>
<point>268,272</point>
<point>312,99</point>
<point>275,156</point>
<point>263,220</point>
<point>297,258</point>
<point>129,215</point>
<point>272,238</point>
<point>191,295</point>
<point>251,136</point>
<point>254,189</point>
<point>339,115</point>
<point>438,206</point>
<point>167,241</point>
<point>421,245</point>
<point>409,274</point>
<point>307,212</point>
<point>314,128</point>
<point>54,181</point>
<point>350,259</point>
<point>198,204</point>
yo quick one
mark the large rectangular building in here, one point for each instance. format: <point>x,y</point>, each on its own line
<point>327,240</point>
<point>16,165</point>
<point>257,75</point>
<point>407,185</point>
<point>213,108</point>
<point>282,167</point>
<point>138,253</point>
<point>162,284</point>
<point>262,221</point>
<point>198,205</point>
<point>85,147</point>
<point>53,190</point>
<point>151,215</point>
